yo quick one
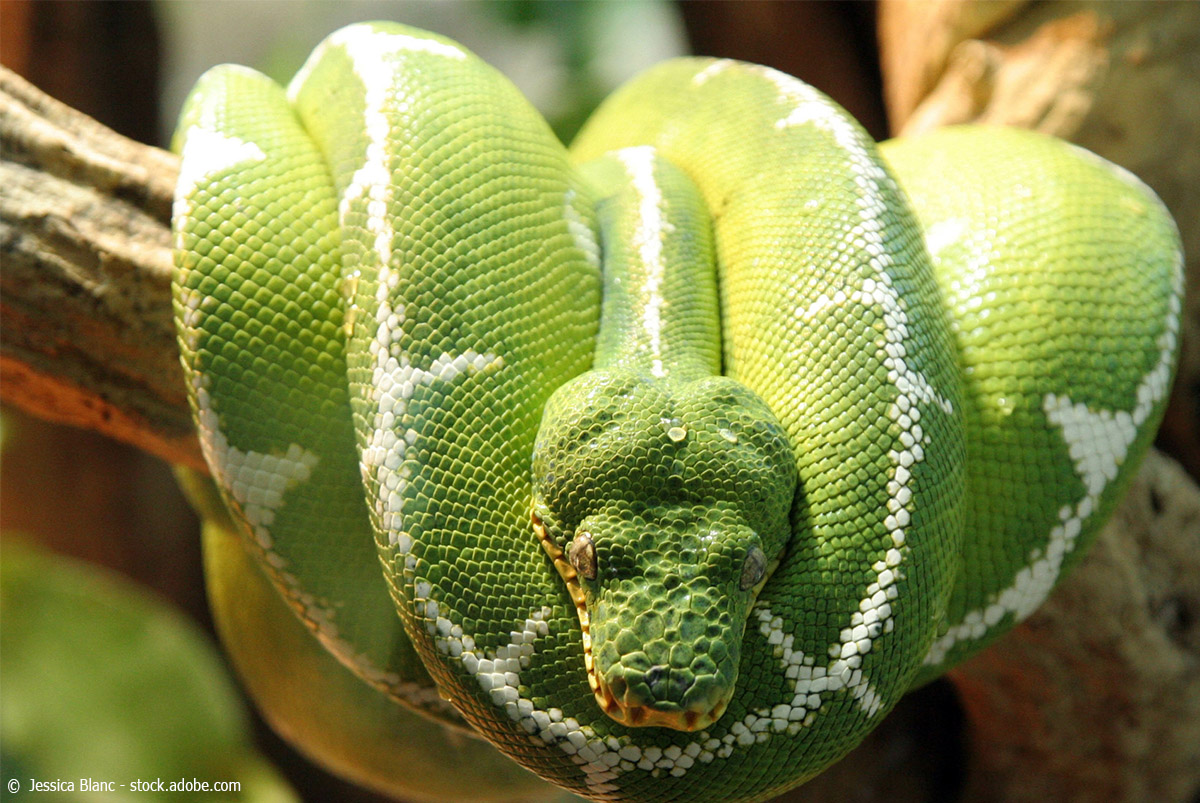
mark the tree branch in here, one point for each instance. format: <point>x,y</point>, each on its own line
<point>86,336</point>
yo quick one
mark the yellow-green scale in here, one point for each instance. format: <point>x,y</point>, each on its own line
<point>666,485</point>
<point>659,311</point>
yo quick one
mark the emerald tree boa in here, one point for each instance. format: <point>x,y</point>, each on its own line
<point>670,461</point>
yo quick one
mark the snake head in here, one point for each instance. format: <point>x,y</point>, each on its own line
<point>664,507</point>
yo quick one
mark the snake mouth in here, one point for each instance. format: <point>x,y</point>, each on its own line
<point>643,716</point>
<point>570,577</point>
<point>617,706</point>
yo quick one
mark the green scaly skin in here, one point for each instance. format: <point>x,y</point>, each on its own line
<point>937,394</point>
<point>349,728</point>
<point>652,472</point>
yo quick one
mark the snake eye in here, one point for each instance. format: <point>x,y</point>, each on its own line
<point>753,569</point>
<point>582,555</point>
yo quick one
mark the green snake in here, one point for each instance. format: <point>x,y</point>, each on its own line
<point>685,452</point>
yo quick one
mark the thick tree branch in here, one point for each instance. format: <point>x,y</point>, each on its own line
<point>85,317</point>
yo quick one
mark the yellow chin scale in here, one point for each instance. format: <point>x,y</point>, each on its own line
<point>641,716</point>
<point>570,577</point>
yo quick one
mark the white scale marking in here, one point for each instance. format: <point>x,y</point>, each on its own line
<point>874,615</point>
<point>207,153</point>
<point>717,67</point>
<point>581,232</point>
<point>604,759</point>
<point>258,481</point>
<point>371,184</point>
<point>601,759</point>
<point>195,306</point>
<point>648,237</point>
<point>943,234</point>
<point>395,382</point>
<point>394,378</point>
<point>498,673</point>
<point>809,681</point>
<point>371,55</point>
<point>1097,442</point>
<point>357,38</point>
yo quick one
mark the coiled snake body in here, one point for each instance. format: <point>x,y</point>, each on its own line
<point>686,452</point>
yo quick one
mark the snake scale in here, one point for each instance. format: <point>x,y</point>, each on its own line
<point>684,452</point>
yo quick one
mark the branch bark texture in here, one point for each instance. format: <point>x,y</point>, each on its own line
<point>86,336</point>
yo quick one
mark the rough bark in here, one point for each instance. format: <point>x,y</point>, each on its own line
<point>85,316</point>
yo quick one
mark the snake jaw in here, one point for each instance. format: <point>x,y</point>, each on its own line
<point>571,578</point>
<point>643,716</point>
<point>618,708</point>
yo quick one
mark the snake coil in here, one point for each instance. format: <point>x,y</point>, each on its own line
<point>685,452</point>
